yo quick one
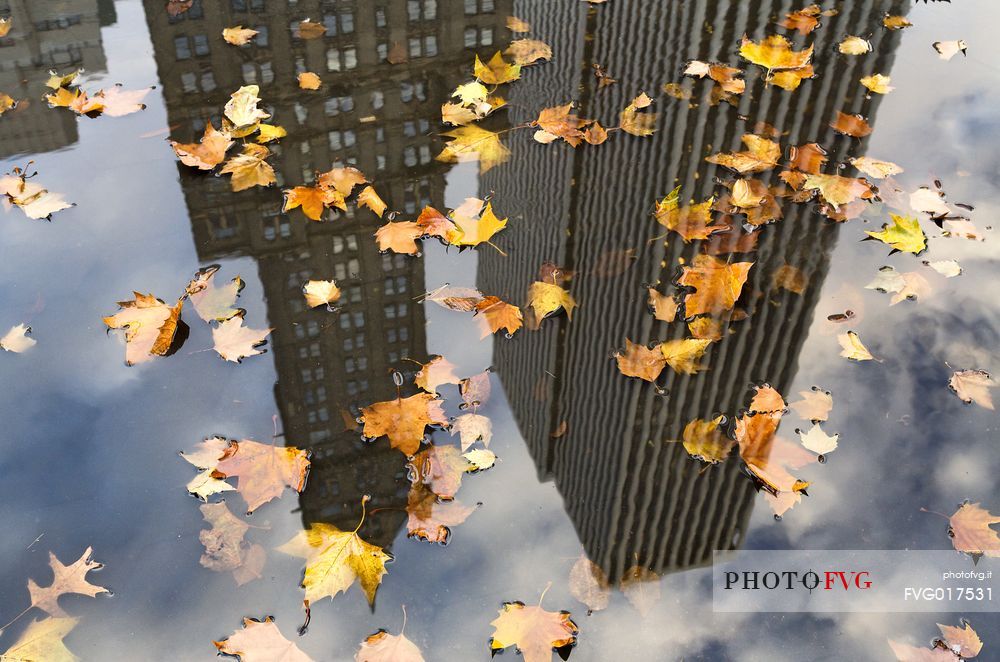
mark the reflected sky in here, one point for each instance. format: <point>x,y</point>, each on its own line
<point>89,449</point>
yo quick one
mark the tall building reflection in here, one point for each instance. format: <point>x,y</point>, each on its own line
<point>633,498</point>
<point>46,34</point>
<point>377,116</point>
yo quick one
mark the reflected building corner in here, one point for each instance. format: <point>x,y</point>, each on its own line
<point>634,495</point>
<point>376,116</point>
<point>61,35</point>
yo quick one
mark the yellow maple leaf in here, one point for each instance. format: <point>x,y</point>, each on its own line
<point>242,110</point>
<point>636,123</point>
<point>149,325</point>
<point>774,53</point>
<point>43,640</point>
<point>717,284</point>
<point>207,153</point>
<point>335,559</point>
<point>704,440</point>
<point>498,315</point>
<point>370,199</point>
<point>269,132</point>
<point>533,630</point>
<point>761,154</point>
<point>309,81</point>
<point>320,293</point>
<point>903,235</point>
<point>683,355</point>
<point>474,143</point>
<point>547,298</point>
<point>399,237</point>
<point>640,361</point>
<point>403,420</point>
<point>877,83</point>
<point>496,71</point>
<point>239,35</point>
<point>472,231</point>
<point>249,169</point>
<point>314,200</point>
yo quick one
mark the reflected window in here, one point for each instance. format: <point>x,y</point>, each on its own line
<point>208,81</point>
<point>380,17</point>
<point>414,46</point>
<point>409,157</point>
<point>378,99</point>
<point>330,21</point>
<point>347,22</point>
<point>261,38</point>
<point>189,82</point>
<point>406,92</point>
<point>249,73</point>
<point>470,37</point>
<point>182,47</point>
<point>382,51</point>
<point>430,46</point>
<point>380,161</point>
<point>201,45</point>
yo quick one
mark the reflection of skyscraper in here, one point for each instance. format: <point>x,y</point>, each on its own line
<point>370,114</point>
<point>46,34</point>
<point>632,497</point>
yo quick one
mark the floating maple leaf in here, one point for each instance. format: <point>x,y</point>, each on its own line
<point>804,20</point>
<point>818,441</point>
<point>962,641</point>
<point>904,286</point>
<point>370,199</point>
<point>547,298</point>
<point>972,386</point>
<point>664,306</point>
<point>150,326</point>
<point>313,200</point>
<point>213,304</point>
<point>472,228</point>
<point>16,340</point>
<point>717,284</point>
<point>65,579</point>
<point>775,53</point>
<point>768,457</point>
<point>261,641</point>
<point>971,531</point>
<point>635,122</point>
<point>234,342</point>
<point>892,22</point>
<point>441,469</point>
<point>309,30</point>
<point>435,372</point>
<point>34,200</point>
<point>269,132</point>
<point>903,235</point>
<point>815,405</point>
<point>836,190</point>
<point>690,221</point>
<point>533,630</point>
<point>851,125</point>
<point>528,51</point>
<point>238,35</point>
<point>498,315</point>
<point>947,49</point>
<point>385,647</point>
<point>480,459</point>
<point>761,154</point>
<point>474,143</point>
<point>335,559</point>
<point>854,46</point>
<point>877,83</point>
<point>853,348</point>
<point>875,168</point>
<point>430,518</point>
<point>320,293</point>
<point>206,457</point>
<point>206,154</point>
<point>684,355</point>
<point>242,110</point>
<point>496,71</point>
<point>263,471</point>
<point>463,299</point>
<point>250,168</point>
<point>640,361</point>
<point>403,420</point>
<point>704,440</point>
<point>309,81</point>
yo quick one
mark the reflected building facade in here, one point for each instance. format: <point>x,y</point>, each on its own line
<point>634,499</point>
<point>61,35</point>
<point>376,116</point>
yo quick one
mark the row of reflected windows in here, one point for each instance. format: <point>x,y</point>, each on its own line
<point>416,10</point>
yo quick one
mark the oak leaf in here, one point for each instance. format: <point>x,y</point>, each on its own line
<point>42,641</point>
<point>717,284</point>
<point>65,579</point>
<point>150,326</point>
<point>335,559</point>
<point>261,641</point>
<point>403,420</point>
<point>533,630</point>
<point>207,153</point>
<point>234,342</point>
<point>971,531</point>
<point>640,361</point>
<point>973,386</point>
<point>704,440</point>
<point>263,471</point>
<point>496,71</point>
<point>250,169</point>
<point>16,340</point>
<point>429,518</point>
<point>385,647</point>
<point>499,315</point>
<point>239,35</point>
<point>547,298</point>
<point>903,235</point>
<point>589,584</point>
<point>399,237</point>
<point>213,304</point>
<point>761,154</point>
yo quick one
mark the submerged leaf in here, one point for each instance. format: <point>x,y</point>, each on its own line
<point>261,641</point>
<point>973,386</point>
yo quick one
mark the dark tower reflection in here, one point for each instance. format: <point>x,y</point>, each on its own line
<point>377,116</point>
<point>64,35</point>
<point>633,498</point>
